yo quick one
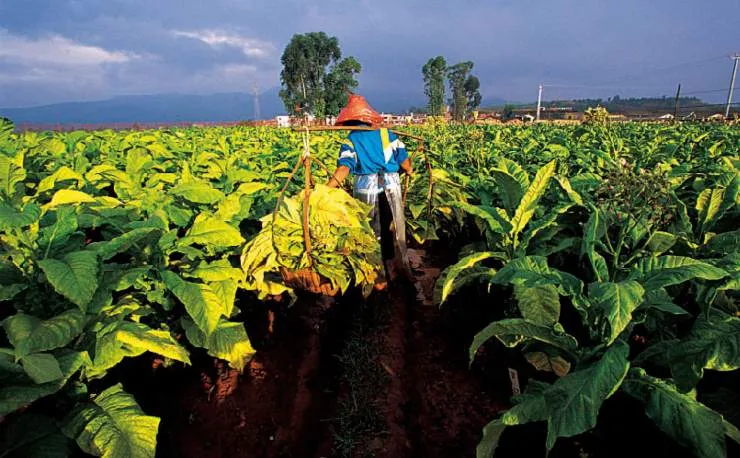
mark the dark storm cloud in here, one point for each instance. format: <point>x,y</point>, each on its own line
<point>576,48</point>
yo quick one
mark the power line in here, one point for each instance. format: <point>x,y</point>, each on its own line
<point>602,87</point>
<point>666,68</point>
<point>708,91</point>
<point>707,105</point>
<point>614,84</point>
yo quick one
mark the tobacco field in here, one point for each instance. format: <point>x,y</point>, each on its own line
<point>598,263</point>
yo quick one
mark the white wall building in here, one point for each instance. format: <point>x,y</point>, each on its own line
<point>283,121</point>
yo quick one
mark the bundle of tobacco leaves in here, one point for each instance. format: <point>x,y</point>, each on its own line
<point>344,248</point>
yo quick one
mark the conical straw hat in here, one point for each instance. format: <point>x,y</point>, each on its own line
<point>357,109</point>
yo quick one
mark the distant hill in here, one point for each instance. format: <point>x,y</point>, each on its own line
<point>176,108</point>
<point>151,109</point>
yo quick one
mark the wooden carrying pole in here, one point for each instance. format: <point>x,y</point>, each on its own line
<point>323,128</point>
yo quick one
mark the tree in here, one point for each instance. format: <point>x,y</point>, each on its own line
<point>508,112</point>
<point>434,84</point>
<point>338,83</point>
<point>306,84</point>
<point>472,92</point>
<point>457,76</point>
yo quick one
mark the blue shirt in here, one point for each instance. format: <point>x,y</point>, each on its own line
<point>367,152</point>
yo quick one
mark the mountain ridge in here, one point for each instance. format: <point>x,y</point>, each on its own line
<point>177,108</point>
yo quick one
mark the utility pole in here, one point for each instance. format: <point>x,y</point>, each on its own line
<point>736,57</point>
<point>256,92</point>
<point>678,97</point>
<point>539,100</point>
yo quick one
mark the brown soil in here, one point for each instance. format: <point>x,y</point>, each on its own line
<point>448,404</point>
<point>285,404</point>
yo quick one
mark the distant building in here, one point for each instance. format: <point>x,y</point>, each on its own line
<point>396,120</point>
<point>290,121</point>
<point>283,121</point>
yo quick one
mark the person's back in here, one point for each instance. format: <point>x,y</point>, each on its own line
<point>375,158</point>
<point>376,151</point>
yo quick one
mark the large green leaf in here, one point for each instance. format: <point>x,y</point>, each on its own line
<point>12,218</point>
<point>495,221</point>
<point>198,192</point>
<point>211,232</point>
<point>574,196</point>
<point>56,236</point>
<point>216,271</point>
<point>708,205</point>
<point>41,367</point>
<point>586,183</point>
<point>228,342</point>
<point>511,332</point>
<point>203,305</point>
<point>64,173</point>
<point>449,279</point>
<point>12,173</point>
<point>538,304</point>
<point>533,271</point>
<point>75,276</point>
<point>656,353</point>
<point>574,401</point>
<point>226,291</point>
<point>543,229</point>
<point>491,436</point>
<point>612,305</point>
<point>571,405</point>
<point>29,334</point>
<point>529,407</point>
<point>683,224</point>
<point>660,242</point>
<point>659,299</point>
<point>593,232</point>
<point>127,339</point>
<point>33,436</point>
<point>531,197</point>
<point>514,170</point>
<point>713,343</point>
<point>69,197</point>
<point>724,243</point>
<point>662,271</point>
<point>13,396</point>
<point>113,426</point>
<point>681,416</point>
<point>123,242</point>
<point>8,292</point>
<point>510,189</point>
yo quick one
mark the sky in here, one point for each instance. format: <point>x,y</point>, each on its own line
<point>76,50</point>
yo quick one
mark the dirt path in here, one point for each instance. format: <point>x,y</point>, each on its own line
<point>385,378</point>
<point>448,405</point>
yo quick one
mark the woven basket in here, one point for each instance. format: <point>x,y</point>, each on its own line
<point>308,280</point>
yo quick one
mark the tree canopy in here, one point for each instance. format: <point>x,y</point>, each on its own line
<point>314,79</point>
<point>464,88</point>
<point>434,84</point>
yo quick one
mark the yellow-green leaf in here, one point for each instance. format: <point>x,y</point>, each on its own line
<point>531,197</point>
<point>211,232</point>
<point>29,334</point>
<point>228,342</point>
<point>75,276</point>
<point>113,426</point>
<point>68,197</point>
<point>203,305</point>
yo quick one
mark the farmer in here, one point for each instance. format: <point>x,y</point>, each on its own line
<point>375,157</point>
